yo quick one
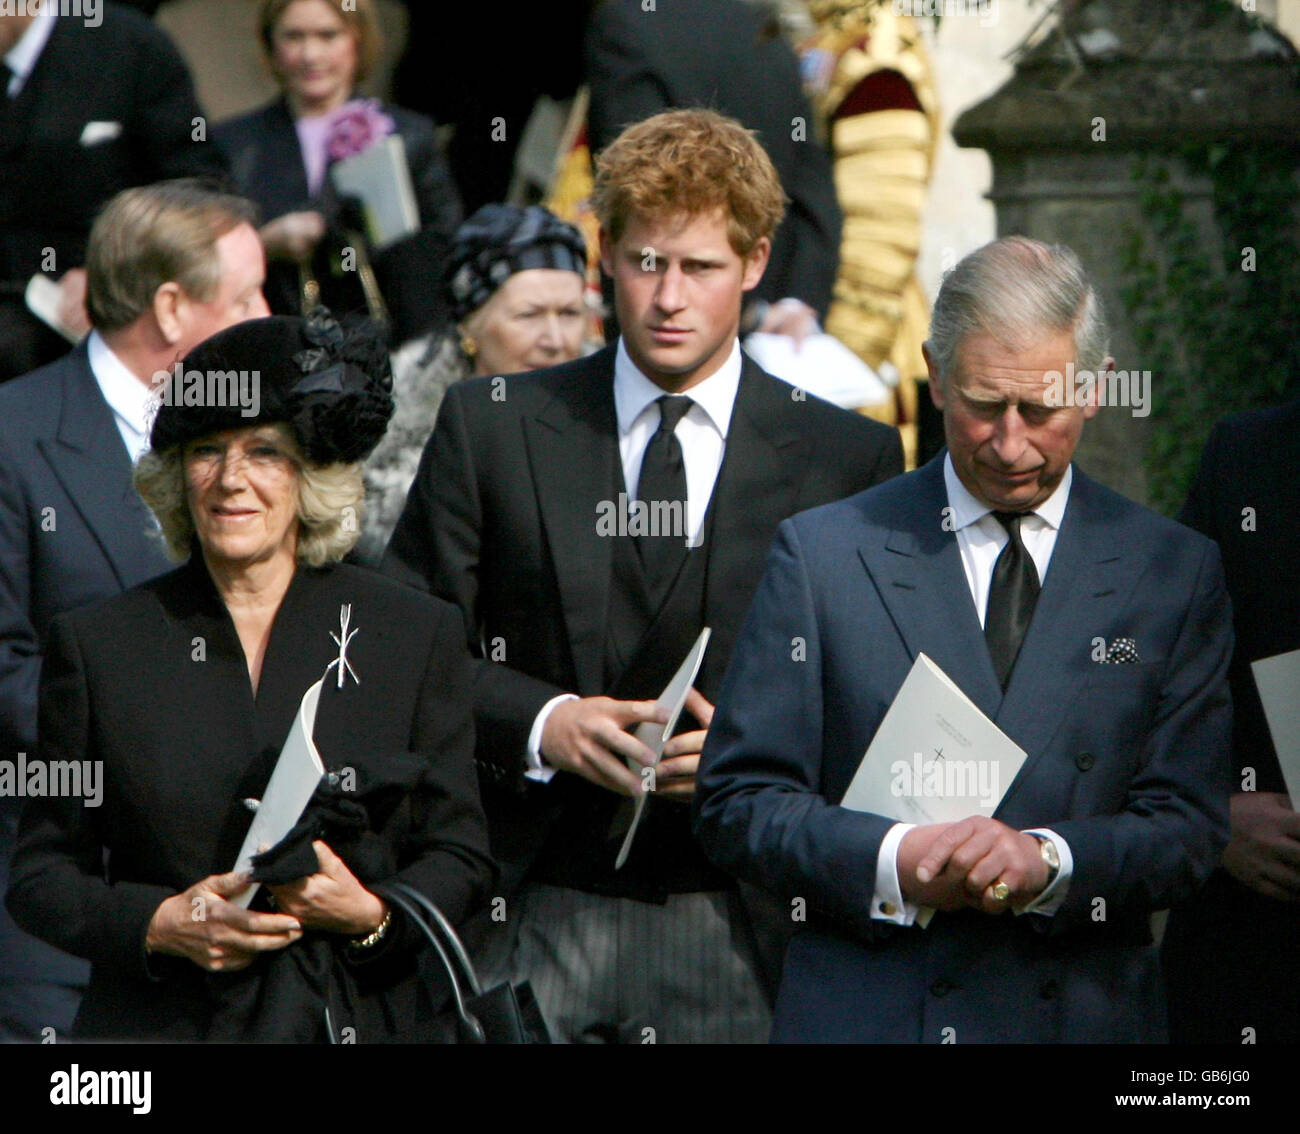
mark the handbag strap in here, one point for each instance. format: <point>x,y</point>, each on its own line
<point>397,893</point>
<point>450,937</point>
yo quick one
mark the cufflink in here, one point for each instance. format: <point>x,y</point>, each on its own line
<point>888,909</point>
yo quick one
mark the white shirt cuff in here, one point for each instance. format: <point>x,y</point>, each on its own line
<point>888,903</point>
<point>1051,899</point>
<point>536,769</point>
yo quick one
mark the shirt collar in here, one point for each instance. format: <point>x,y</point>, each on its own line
<point>966,510</point>
<point>21,58</point>
<point>716,395</point>
<point>125,394</point>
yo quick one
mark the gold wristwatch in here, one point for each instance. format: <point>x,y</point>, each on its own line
<point>1047,849</point>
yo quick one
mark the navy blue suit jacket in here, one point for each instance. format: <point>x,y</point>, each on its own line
<point>1128,763</point>
<point>72,531</point>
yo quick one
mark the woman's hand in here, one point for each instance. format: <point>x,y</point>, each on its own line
<point>293,236</point>
<point>331,899</point>
<point>202,926</point>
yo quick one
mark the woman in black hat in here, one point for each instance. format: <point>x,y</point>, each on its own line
<point>175,699</point>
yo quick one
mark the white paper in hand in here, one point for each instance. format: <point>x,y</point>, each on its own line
<point>381,178</point>
<point>935,757</point>
<point>44,299</point>
<point>297,773</point>
<point>655,736</point>
<point>1278,679</point>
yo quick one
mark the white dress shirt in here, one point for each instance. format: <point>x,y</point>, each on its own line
<point>980,540</point>
<point>702,434</point>
<point>22,57</point>
<point>130,399</point>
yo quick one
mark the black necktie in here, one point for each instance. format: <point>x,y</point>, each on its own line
<point>662,489</point>
<point>1011,598</point>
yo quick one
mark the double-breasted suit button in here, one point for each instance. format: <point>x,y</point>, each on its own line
<point>941,987</point>
<point>1049,990</point>
<point>1084,761</point>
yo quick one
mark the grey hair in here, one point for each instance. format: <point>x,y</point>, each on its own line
<point>1015,289</point>
<point>331,501</point>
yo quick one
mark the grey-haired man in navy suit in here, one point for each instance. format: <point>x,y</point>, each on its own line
<point>1094,633</point>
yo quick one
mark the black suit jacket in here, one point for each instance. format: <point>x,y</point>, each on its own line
<point>501,520</point>
<point>267,165</point>
<point>1228,954</point>
<point>184,741</point>
<point>718,54</point>
<point>72,531</point>
<point>124,75</point>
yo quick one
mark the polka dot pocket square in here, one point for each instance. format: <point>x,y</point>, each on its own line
<point>1122,651</point>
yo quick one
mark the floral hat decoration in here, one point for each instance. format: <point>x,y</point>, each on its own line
<point>331,383</point>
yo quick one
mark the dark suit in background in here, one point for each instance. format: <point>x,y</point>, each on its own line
<point>267,165</point>
<point>126,83</point>
<point>484,81</point>
<point>72,531</point>
<point>722,55</point>
<point>502,519</point>
<point>1125,763</point>
<point>1231,952</point>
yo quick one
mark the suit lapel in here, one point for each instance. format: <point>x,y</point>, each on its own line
<point>90,461</point>
<point>919,575</point>
<point>1089,575</point>
<point>757,488</point>
<point>573,454</point>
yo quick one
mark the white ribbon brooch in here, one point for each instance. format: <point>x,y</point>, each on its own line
<point>345,616</point>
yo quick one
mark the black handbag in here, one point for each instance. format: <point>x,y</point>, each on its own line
<point>504,1014</point>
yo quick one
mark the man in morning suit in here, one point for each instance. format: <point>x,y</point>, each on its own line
<point>168,265</point>
<point>1234,970</point>
<point>91,102</point>
<point>530,512</point>
<point>1094,633</point>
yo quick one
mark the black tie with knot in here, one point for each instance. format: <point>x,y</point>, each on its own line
<point>1012,596</point>
<point>662,490</point>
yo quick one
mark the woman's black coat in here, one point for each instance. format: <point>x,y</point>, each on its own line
<point>154,684</point>
<point>267,165</point>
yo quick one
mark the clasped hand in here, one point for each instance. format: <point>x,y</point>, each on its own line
<point>950,866</point>
<point>202,925</point>
<point>1264,852</point>
<point>589,737</point>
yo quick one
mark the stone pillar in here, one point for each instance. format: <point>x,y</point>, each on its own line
<point>1108,81</point>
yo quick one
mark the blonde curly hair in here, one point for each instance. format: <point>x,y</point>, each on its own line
<point>331,503</point>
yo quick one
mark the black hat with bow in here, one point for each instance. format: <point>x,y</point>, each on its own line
<point>330,383</point>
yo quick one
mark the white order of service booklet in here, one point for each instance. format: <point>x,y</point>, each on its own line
<point>655,736</point>
<point>1278,681</point>
<point>381,178</point>
<point>936,758</point>
<point>297,773</point>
